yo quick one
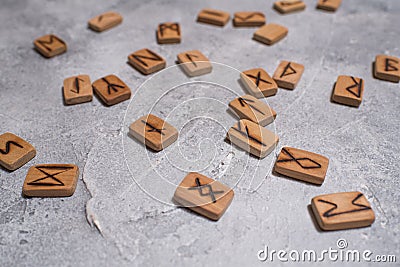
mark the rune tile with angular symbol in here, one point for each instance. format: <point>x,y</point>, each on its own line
<point>248,19</point>
<point>329,5</point>
<point>169,33</point>
<point>289,6</point>
<point>154,132</point>
<point>14,151</point>
<point>258,83</point>
<point>50,45</point>
<point>194,63</point>
<point>105,21</point>
<point>51,180</point>
<point>204,195</point>
<point>348,90</point>
<point>146,61</point>
<point>344,210</point>
<point>214,17</point>
<point>288,74</point>
<point>111,90</point>
<point>270,33</point>
<point>387,68</point>
<point>302,165</point>
<point>77,89</point>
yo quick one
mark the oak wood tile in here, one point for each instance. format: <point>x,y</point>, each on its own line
<point>289,6</point>
<point>14,151</point>
<point>77,89</point>
<point>214,17</point>
<point>387,68</point>
<point>348,90</point>
<point>258,83</point>
<point>105,21</point>
<point>204,195</point>
<point>329,5</point>
<point>169,33</point>
<point>194,63</point>
<point>146,61</point>
<point>288,74</point>
<point>248,19</point>
<point>50,45</point>
<point>270,33</point>
<point>250,108</point>
<point>111,90</point>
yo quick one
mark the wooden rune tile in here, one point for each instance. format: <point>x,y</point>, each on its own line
<point>288,74</point>
<point>77,89</point>
<point>105,21</point>
<point>168,33</point>
<point>248,19</point>
<point>270,33</point>
<point>214,17</point>
<point>348,90</point>
<point>14,151</point>
<point>289,6</point>
<point>154,132</point>
<point>342,211</point>
<point>111,90</point>
<point>387,68</point>
<point>258,83</point>
<point>50,45</point>
<point>146,61</point>
<point>194,63</point>
<point>204,195</point>
<point>329,5</point>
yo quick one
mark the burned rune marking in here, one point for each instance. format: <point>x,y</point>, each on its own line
<point>331,213</point>
<point>50,176</point>
<point>210,191</point>
<point>258,78</point>
<point>356,85</point>
<point>314,164</point>
<point>153,128</point>
<point>8,147</point>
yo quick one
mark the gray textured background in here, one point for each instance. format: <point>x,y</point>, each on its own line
<point>109,220</point>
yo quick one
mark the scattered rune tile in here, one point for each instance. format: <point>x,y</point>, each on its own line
<point>111,90</point>
<point>387,68</point>
<point>194,63</point>
<point>250,108</point>
<point>214,17</point>
<point>288,74</point>
<point>248,19</point>
<point>204,195</point>
<point>50,45</point>
<point>146,61</point>
<point>344,210</point>
<point>14,151</point>
<point>105,21</point>
<point>289,6</point>
<point>154,132</point>
<point>329,5</point>
<point>270,33</point>
<point>168,33</point>
<point>302,165</point>
<point>258,83</point>
<point>348,90</point>
<point>51,180</point>
<point>77,89</point>
<point>252,138</point>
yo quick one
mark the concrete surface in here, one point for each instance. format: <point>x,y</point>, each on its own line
<point>110,220</point>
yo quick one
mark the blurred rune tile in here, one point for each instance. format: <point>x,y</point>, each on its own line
<point>387,68</point>
<point>111,90</point>
<point>50,45</point>
<point>288,74</point>
<point>214,17</point>
<point>14,151</point>
<point>348,90</point>
<point>248,19</point>
<point>77,89</point>
<point>194,63</point>
<point>289,6</point>
<point>270,33</point>
<point>329,5</point>
<point>258,83</point>
<point>146,61</point>
<point>105,21</point>
<point>168,33</point>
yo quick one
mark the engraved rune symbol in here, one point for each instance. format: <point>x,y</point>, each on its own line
<point>289,3</point>
<point>189,56</point>
<point>313,165</point>
<point>244,102</point>
<point>258,78</point>
<point>8,145</point>
<point>104,15</point>
<point>213,13</point>
<point>210,192</point>
<point>112,86</point>
<point>247,134</point>
<point>355,85</point>
<point>154,57</point>
<point>288,70</point>
<point>76,85</point>
<point>172,27</point>
<point>40,181</point>
<point>46,44</point>
<point>390,67</point>
<point>249,16</point>
<point>153,128</point>
<point>330,213</point>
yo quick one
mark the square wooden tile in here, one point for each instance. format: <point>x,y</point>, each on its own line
<point>252,138</point>
<point>270,33</point>
<point>214,17</point>
<point>194,63</point>
<point>289,6</point>
<point>50,45</point>
<point>51,180</point>
<point>111,90</point>
<point>288,74</point>
<point>14,151</point>
<point>250,108</point>
<point>302,165</point>
<point>348,90</point>
<point>146,61</point>
<point>169,33</point>
<point>154,132</point>
<point>204,195</point>
<point>258,83</point>
<point>105,21</point>
<point>329,5</point>
<point>342,211</point>
<point>248,19</point>
<point>77,89</point>
<point>387,68</point>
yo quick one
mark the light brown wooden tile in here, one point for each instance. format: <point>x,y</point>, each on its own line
<point>51,180</point>
<point>169,33</point>
<point>289,6</point>
<point>248,19</point>
<point>329,5</point>
<point>77,89</point>
<point>288,74</point>
<point>14,151</point>
<point>154,132</point>
<point>194,63</point>
<point>204,195</point>
<point>252,138</point>
<point>270,33</point>
<point>342,211</point>
<point>387,68</point>
<point>250,108</point>
<point>111,90</point>
<point>50,45</point>
<point>302,165</point>
<point>146,61</point>
<point>348,90</point>
<point>258,83</point>
<point>105,21</point>
<point>214,17</point>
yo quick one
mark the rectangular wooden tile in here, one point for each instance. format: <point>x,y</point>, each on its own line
<point>15,151</point>
<point>329,5</point>
<point>214,17</point>
<point>51,180</point>
<point>111,90</point>
<point>252,138</point>
<point>289,6</point>
<point>348,90</point>
<point>342,211</point>
<point>302,165</point>
<point>250,108</point>
<point>154,132</point>
<point>105,21</point>
<point>146,61</point>
<point>77,89</point>
<point>270,33</point>
<point>387,68</point>
<point>194,63</point>
<point>50,45</point>
<point>258,83</point>
<point>288,74</point>
<point>169,33</point>
<point>248,19</point>
<point>204,195</point>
